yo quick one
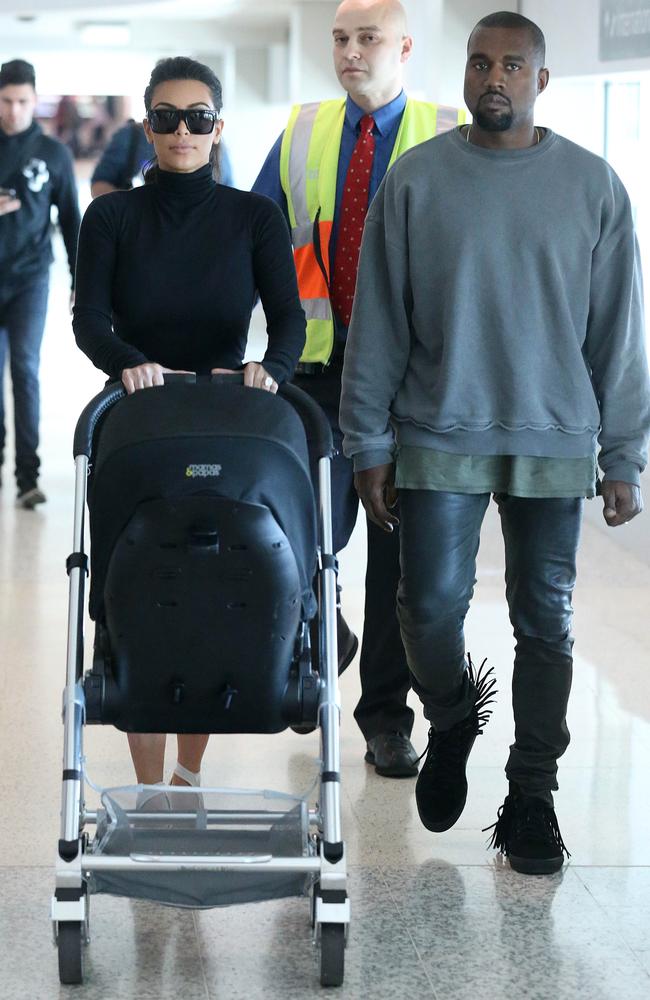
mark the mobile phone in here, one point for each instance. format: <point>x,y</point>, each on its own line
<point>8,192</point>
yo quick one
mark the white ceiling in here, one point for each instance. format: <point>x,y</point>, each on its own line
<point>49,23</point>
<point>196,9</point>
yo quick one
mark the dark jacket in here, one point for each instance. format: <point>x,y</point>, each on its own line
<point>40,170</point>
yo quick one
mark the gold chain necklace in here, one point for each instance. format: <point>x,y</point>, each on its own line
<point>537,135</point>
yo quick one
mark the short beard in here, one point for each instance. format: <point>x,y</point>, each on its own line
<point>489,123</point>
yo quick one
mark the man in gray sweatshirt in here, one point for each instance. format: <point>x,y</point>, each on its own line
<point>496,347</point>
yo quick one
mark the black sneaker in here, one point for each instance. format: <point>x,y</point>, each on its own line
<point>441,789</point>
<point>30,498</point>
<point>527,833</point>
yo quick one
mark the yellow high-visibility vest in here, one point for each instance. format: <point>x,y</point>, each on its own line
<point>308,169</point>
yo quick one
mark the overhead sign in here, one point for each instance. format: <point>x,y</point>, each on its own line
<point>624,29</point>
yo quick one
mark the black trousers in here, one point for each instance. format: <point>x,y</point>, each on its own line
<point>385,680</point>
<point>440,538</point>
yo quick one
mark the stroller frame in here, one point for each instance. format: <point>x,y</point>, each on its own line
<point>330,905</point>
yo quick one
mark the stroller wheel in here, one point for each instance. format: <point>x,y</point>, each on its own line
<point>70,945</point>
<point>332,952</point>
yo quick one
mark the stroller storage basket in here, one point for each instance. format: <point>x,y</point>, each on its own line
<point>139,822</point>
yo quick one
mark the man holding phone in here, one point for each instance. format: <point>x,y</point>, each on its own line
<point>36,172</point>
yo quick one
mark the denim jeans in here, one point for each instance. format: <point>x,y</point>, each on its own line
<point>440,535</point>
<point>22,321</point>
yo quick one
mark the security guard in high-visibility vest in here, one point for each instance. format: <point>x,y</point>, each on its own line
<point>323,171</point>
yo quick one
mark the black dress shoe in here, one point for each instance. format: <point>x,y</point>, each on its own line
<point>347,643</point>
<point>393,755</point>
<point>347,646</point>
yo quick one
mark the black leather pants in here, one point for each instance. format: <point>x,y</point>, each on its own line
<point>440,535</point>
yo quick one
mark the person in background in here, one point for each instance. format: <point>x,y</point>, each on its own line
<point>36,173</point>
<point>497,348</point>
<point>167,276</point>
<point>67,121</point>
<point>126,156</point>
<point>323,171</point>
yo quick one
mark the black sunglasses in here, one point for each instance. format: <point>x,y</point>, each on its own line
<point>166,120</point>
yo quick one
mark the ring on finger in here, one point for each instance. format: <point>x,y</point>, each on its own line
<point>268,382</point>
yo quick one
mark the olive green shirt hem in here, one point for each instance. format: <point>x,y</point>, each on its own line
<point>524,476</point>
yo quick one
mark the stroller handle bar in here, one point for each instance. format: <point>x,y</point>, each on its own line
<point>314,420</point>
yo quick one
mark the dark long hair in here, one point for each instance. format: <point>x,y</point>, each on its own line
<point>183,68</point>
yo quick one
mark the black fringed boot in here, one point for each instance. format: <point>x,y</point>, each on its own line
<point>527,833</point>
<point>441,789</point>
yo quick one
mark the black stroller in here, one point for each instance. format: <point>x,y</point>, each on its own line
<point>205,543</point>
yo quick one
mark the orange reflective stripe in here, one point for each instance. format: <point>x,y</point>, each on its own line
<point>311,281</point>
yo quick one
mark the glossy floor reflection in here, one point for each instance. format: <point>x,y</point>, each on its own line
<point>433,916</point>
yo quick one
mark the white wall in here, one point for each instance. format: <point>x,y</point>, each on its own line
<point>459,17</point>
<point>311,74</point>
<point>572,34</point>
<point>440,30</point>
<point>423,70</point>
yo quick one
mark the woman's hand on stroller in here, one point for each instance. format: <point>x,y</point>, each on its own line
<point>255,376</point>
<point>147,375</point>
<point>376,489</point>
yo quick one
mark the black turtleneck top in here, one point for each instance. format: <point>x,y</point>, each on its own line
<point>169,273</point>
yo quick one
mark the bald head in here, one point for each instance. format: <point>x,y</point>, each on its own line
<point>371,45</point>
<point>387,12</point>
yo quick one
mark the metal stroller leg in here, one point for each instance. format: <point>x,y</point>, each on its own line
<point>70,904</point>
<point>331,906</point>
<point>330,709</point>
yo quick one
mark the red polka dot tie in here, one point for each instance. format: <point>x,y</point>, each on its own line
<point>354,206</point>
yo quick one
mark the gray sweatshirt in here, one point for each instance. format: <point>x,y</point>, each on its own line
<point>499,310</point>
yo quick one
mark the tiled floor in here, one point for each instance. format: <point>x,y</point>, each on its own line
<point>433,916</point>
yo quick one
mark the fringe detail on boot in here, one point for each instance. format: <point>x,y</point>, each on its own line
<point>507,817</point>
<point>499,838</point>
<point>486,689</point>
<point>555,830</point>
<point>485,686</point>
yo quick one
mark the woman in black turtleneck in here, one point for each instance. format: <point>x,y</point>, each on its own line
<point>167,276</point>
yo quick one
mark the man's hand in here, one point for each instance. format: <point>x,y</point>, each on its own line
<point>145,376</point>
<point>9,204</point>
<point>377,492</point>
<point>622,501</point>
